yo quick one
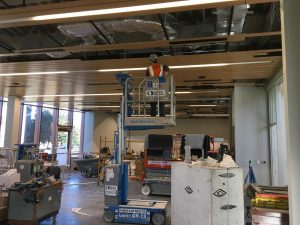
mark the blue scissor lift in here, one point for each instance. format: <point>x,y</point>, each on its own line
<point>137,94</point>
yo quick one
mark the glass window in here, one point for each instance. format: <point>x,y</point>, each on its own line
<point>3,123</point>
<point>76,132</point>
<point>28,124</point>
<point>46,130</point>
<point>63,118</point>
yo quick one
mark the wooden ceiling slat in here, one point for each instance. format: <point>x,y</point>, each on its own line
<point>77,83</point>
<point>78,65</point>
<point>144,45</point>
<point>23,16</point>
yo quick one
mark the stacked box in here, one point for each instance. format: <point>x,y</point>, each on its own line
<point>3,206</point>
<point>271,201</point>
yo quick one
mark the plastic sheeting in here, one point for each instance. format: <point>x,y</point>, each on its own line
<point>115,29</point>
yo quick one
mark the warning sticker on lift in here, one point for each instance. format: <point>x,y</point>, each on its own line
<point>150,93</point>
<point>109,174</point>
<point>111,190</point>
<point>133,214</point>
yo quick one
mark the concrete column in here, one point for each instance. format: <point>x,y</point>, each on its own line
<point>88,132</point>
<point>291,50</point>
<point>12,121</point>
<point>251,131</point>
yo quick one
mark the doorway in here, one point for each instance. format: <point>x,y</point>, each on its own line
<point>63,146</point>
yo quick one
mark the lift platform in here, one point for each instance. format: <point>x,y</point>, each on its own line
<point>139,93</point>
<point>134,115</point>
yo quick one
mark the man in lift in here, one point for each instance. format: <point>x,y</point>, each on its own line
<point>155,69</point>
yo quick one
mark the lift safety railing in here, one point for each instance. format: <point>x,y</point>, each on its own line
<point>139,92</point>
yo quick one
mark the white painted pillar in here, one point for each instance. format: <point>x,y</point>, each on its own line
<point>88,132</point>
<point>291,67</point>
<point>251,131</point>
<point>12,121</point>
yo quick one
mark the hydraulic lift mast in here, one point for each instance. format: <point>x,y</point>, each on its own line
<point>137,94</point>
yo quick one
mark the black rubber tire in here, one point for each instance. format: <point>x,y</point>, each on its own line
<point>158,219</point>
<point>146,190</point>
<point>109,216</point>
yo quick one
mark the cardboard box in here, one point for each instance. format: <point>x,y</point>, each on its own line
<point>3,199</point>
<point>3,213</point>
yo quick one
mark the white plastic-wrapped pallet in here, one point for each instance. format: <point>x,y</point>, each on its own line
<point>204,195</point>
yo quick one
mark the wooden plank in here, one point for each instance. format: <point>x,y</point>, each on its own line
<point>85,72</point>
<point>25,16</point>
<point>144,45</point>
<point>89,66</point>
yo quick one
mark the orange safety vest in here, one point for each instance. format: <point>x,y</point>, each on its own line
<point>155,70</point>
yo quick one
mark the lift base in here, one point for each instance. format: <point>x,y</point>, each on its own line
<point>137,212</point>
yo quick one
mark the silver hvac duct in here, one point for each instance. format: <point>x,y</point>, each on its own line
<point>115,29</point>
<point>237,23</point>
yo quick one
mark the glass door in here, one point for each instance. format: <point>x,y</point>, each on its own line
<point>63,147</point>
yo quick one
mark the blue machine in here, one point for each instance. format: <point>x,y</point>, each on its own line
<point>118,208</point>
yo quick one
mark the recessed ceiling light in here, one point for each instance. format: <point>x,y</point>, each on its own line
<point>127,9</point>
<point>73,95</point>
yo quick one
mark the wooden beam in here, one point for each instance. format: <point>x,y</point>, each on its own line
<point>24,16</point>
<point>144,45</point>
<point>88,67</point>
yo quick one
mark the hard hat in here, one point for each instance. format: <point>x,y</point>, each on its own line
<point>153,57</point>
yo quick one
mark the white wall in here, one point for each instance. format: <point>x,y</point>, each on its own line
<point>251,131</point>
<point>290,17</point>
<point>104,125</point>
<point>88,131</point>
<point>214,127</point>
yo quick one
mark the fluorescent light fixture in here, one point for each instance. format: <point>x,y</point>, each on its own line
<point>210,91</point>
<point>218,64</point>
<point>211,115</point>
<point>183,92</point>
<point>73,95</point>
<point>138,8</point>
<point>186,66</point>
<point>122,69</point>
<point>135,69</point>
<point>202,105</point>
<point>34,73</point>
<point>100,106</point>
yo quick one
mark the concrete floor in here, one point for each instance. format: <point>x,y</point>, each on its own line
<point>90,198</point>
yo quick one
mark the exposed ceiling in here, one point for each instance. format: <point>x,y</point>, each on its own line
<point>246,37</point>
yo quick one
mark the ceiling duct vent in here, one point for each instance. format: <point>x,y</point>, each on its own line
<point>115,29</point>
<point>150,27</point>
<point>58,55</point>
